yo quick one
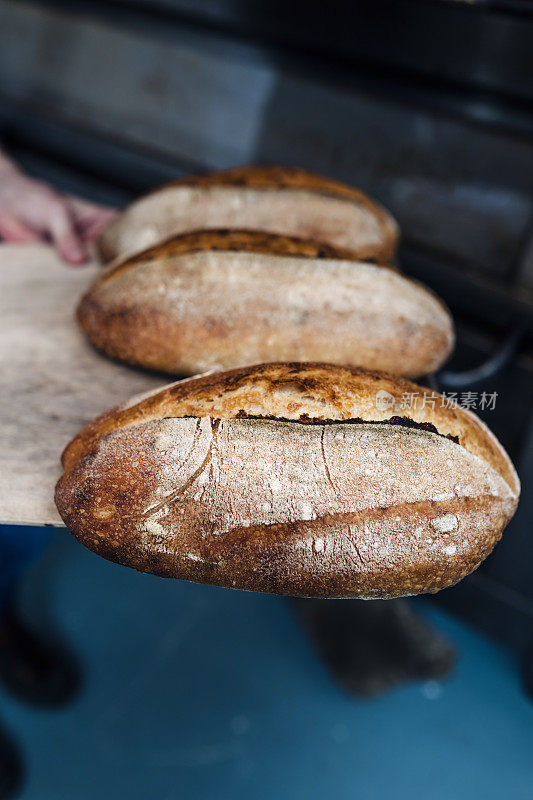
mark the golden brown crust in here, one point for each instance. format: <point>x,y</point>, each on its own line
<point>217,299</point>
<point>261,558</point>
<point>303,392</point>
<point>286,178</point>
<point>224,240</point>
<point>257,176</point>
<point>114,494</point>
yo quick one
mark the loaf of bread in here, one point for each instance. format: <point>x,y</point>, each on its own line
<point>275,199</point>
<point>222,299</point>
<point>302,479</point>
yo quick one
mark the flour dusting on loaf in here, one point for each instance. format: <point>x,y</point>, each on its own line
<point>353,507</point>
<point>220,299</point>
<point>274,199</point>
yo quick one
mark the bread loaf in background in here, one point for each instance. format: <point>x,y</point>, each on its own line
<point>222,299</point>
<point>281,200</point>
<point>291,478</point>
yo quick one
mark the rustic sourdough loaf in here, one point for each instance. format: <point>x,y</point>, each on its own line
<point>277,199</point>
<point>220,299</point>
<point>291,478</point>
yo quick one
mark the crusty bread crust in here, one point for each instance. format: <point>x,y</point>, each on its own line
<point>225,240</point>
<point>257,176</point>
<point>293,479</point>
<point>219,299</point>
<point>114,240</point>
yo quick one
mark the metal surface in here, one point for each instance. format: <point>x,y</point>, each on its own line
<point>486,46</point>
<point>488,368</point>
<point>136,103</point>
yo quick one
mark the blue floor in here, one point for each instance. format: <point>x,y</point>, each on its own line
<point>197,692</point>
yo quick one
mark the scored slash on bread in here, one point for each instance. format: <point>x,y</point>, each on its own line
<point>219,299</point>
<point>284,200</point>
<point>292,479</point>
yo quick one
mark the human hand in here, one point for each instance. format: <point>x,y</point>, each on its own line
<point>31,211</point>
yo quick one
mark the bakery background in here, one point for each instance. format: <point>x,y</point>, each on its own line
<point>427,106</point>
